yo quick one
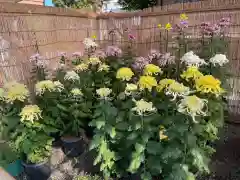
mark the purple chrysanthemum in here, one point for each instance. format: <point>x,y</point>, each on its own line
<point>113,51</point>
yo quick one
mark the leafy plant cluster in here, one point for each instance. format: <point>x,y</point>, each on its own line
<point>151,117</point>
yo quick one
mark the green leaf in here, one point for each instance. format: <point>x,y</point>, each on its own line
<point>154,147</point>
<point>146,176</point>
<point>139,148</point>
<point>135,163</point>
<point>61,107</point>
<point>122,126</point>
<point>95,142</point>
<point>154,164</point>
<point>132,136</point>
<point>100,122</point>
<point>200,161</point>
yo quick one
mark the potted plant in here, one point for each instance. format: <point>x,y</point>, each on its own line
<point>36,147</point>
<point>13,96</point>
<point>76,115</point>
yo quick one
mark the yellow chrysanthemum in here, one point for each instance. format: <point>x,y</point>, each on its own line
<point>43,86</point>
<point>142,107</point>
<point>81,67</point>
<point>103,67</point>
<point>193,106</point>
<point>103,93</point>
<point>192,72</point>
<point>94,61</point>
<point>183,16</point>
<point>15,91</point>
<point>159,25</point>
<point>162,135</point>
<point>164,83</point>
<point>151,69</point>
<point>147,82</point>
<point>209,84</point>
<point>76,92</point>
<point>94,36</point>
<point>168,26</point>
<point>177,89</point>
<point>30,113</point>
<point>130,88</point>
<point>124,74</point>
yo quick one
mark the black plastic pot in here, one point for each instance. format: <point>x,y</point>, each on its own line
<point>41,171</point>
<point>73,146</point>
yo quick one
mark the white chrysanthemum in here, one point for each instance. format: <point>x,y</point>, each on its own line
<point>193,106</point>
<point>219,59</point>
<point>59,87</point>
<point>191,59</point>
<point>89,43</point>
<point>43,86</point>
<point>71,76</point>
<point>130,88</point>
<point>176,89</point>
<point>76,92</point>
<point>103,93</point>
<point>142,107</point>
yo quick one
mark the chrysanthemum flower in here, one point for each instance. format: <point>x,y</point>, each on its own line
<point>76,92</point>
<point>94,61</point>
<point>209,84</point>
<point>15,91</point>
<point>162,135</point>
<point>81,67</point>
<point>124,74</point>
<point>89,43</point>
<point>143,107</point>
<point>130,88</point>
<point>103,67</point>
<point>191,59</point>
<point>151,69</point>
<point>183,16</point>
<point>147,82</point>
<point>219,59</point>
<point>59,87</point>
<point>30,113</point>
<point>168,26</point>
<point>103,93</point>
<point>113,51</point>
<point>192,106</point>
<point>192,73</point>
<point>177,89</point>
<point>71,76</point>
<point>164,83</point>
<point>43,86</point>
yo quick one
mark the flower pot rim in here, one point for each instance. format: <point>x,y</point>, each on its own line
<point>33,165</point>
<point>70,139</point>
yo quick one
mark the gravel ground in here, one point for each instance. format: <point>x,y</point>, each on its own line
<point>225,163</point>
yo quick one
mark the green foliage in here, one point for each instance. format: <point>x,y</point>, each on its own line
<point>137,4</point>
<point>35,145</point>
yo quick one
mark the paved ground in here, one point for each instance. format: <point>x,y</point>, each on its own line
<point>225,164</point>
